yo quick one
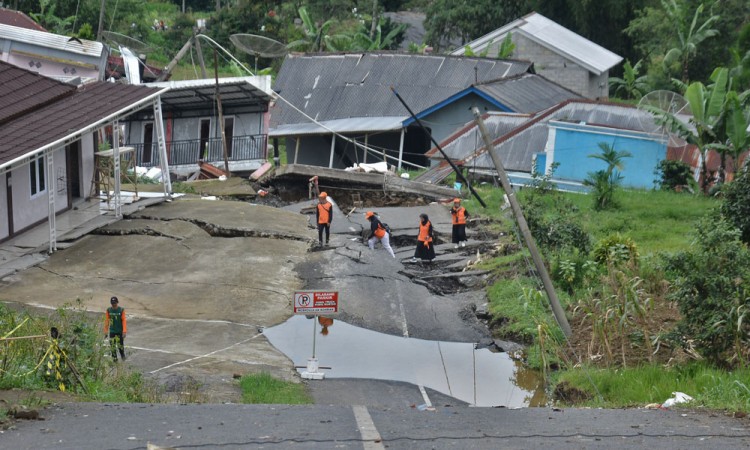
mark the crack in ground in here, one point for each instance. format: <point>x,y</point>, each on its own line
<point>218,231</point>
<point>147,231</point>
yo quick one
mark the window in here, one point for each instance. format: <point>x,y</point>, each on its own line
<point>36,175</point>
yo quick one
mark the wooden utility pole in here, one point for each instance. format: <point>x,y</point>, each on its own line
<point>167,70</point>
<point>200,54</point>
<point>101,22</point>
<point>221,115</point>
<point>557,309</point>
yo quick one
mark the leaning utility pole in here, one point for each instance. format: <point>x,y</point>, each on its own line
<point>524,227</point>
<point>221,115</point>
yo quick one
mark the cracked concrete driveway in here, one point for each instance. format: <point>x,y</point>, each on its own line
<point>198,280</point>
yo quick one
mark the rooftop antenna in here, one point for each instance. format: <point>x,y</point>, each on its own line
<point>262,46</point>
<point>660,102</point>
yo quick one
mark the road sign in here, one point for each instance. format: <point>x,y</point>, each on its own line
<point>311,302</point>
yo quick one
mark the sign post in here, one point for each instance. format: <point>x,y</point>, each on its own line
<point>315,302</point>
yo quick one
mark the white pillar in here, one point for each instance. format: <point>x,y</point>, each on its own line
<point>116,161</point>
<point>365,150</point>
<point>333,147</point>
<point>296,148</point>
<point>50,179</point>
<point>401,148</point>
<point>161,141</point>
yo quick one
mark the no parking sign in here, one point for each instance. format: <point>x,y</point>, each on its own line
<point>313,302</point>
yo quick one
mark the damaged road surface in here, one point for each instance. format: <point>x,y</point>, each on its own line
<point>198,280</point>
<point>201,280</point>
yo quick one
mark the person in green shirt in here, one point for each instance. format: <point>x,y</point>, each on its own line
<point>116,327</point>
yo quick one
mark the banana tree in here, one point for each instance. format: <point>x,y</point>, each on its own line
<point>737,130</point>
<point>690,33</point>
<point>630,85</point>
<point>362,40</point>
<point>315,36</point>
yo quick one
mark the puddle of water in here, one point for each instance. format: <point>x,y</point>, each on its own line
<point>478,377</point>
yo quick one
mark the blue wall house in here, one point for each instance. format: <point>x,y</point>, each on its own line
<point>529,143</point>
<point>571,144</point>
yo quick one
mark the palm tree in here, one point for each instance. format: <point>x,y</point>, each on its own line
<point>604,183</point>
<point>689,34</point>
<point>630,85</point>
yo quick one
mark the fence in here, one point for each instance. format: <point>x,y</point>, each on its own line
<point>242,148</point>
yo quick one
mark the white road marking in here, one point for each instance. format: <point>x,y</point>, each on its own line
<point>206,355</point>
<point>404,323</point>
<point>153,350</point>
<point>424,396</point>
<point>370,437</point>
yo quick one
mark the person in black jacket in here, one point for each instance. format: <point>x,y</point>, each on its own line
<point>378,233</point>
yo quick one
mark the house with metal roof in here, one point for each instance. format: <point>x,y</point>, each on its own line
<point>526,93</point>
<point>558,53</point>
<point>50,140</point>
<point>193,129</point>
<point>563,136</point>
<point>53,55</point>
<point>336,110</point>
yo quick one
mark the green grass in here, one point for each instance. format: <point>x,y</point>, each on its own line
<point>710,387</point>
<point>658,221</point>
<point>263,388</point>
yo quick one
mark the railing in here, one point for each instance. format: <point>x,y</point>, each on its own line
<point>242,148</point>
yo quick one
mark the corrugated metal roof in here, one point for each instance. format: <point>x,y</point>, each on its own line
<point>187,94</point>
<point>467,140</point>
<point>51,40</point>
<point>344,126</point>
<point>556,37</point>
<point>89,105</point>
<point>517,141</point>
<point>340,86</point>
<point>22,91</point>
<point>527,93</point>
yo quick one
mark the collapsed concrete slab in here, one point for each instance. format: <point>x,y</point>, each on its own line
<point>387,183</point>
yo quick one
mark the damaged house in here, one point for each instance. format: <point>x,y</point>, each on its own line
<point>350,94</point>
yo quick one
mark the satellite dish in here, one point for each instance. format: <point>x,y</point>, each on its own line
<point>659,102</point>
<point>120,40</point>
<point>258,46</point>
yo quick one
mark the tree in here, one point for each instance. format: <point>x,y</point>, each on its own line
<point>689,33</point>
<point>604,183</point>
<point>47,18</point>
<point>452,20</point>
<point>735,205</point>
<point>315,35</point>
<point>630,85</point>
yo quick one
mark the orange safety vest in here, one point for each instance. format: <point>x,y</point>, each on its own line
<point>424,232</point>
<point>380,231</point>
<point>460,217</point>
<point>324,212</point>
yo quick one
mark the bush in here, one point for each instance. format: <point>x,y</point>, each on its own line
<point>615,249</point>
<point>711,284</point>
<point>673,174</point>
<point>736,204</point>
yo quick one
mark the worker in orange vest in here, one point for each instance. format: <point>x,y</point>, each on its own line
<point>324,214</point>
<point>324,322</point>
<point>459,215</point>
<point>378,233</point>
<point>425,240</point>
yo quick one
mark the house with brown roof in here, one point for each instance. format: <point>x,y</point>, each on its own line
<point>49,141</point>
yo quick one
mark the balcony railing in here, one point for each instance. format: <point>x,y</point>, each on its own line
<point>242,148</point>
